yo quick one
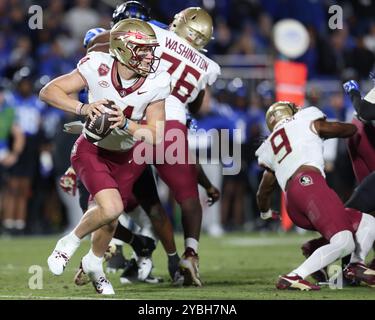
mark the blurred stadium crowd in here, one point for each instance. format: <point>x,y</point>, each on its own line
<point>32,202</point>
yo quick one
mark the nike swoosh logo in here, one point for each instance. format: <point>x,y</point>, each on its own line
<point>101,129</point>
<point>141,92</point>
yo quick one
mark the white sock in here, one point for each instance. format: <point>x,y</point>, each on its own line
<point>68,244</point>
<point>19,224</point>
<point>340,245</point>
<point>364,238</point>
<point>292,274</point>
<point>92,263</point>
<point>192,243</point>
<point>9,223</point>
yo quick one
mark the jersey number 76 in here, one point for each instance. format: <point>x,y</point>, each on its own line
<point>181,82</point>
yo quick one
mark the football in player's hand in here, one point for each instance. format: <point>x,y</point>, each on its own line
<point>97,129</point>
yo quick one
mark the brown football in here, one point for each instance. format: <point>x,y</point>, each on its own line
<point>97,129</point>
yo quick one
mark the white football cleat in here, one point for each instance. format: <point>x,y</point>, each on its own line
<point>189,268</point>
<point>57,262</point>
<point>97,278</point>
<point>103,286</point>
<point>81,278</point>
<point>144,268</point>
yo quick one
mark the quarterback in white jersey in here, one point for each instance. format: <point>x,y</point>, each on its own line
<point>99,70</point>
<point>107,169</point>
<point>293,154</point>
<point>191,71</point>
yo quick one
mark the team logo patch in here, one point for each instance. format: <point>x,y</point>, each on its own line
<point>103,70</point>
<point>103,84</point>
<point>306,180</point>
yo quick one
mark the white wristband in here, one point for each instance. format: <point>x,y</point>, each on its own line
<point>266,215</point>
<point>79,108</point>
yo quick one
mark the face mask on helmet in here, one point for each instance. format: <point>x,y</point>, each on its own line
<point>143,60</point>
<point>133,44</point>
<point>279,111</point>
<point>196,38</point>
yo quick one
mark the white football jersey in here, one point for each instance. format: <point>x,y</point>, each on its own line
<point>99,70</point>
<point>293,143</point>
<point>190,70</point>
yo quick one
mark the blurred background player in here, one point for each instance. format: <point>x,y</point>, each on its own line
<point>23,168</point>
<point>12,142</point>
<point>292,156</point>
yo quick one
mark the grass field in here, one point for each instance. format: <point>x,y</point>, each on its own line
<point>236,266</point>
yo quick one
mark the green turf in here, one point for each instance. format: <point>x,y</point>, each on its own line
<point>236,266</point>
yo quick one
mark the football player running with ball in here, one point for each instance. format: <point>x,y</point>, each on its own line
<point>181,54</point>
<point>293,157</point>
<point>107,167</point>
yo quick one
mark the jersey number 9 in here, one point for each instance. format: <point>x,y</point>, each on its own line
<point>280,144</point>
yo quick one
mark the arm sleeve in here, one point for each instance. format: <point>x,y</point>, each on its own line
<point>164,87</point>
<point>263,159</point>
<point>214,73</point>
<point>85,67</point>
<point>311,113</point>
